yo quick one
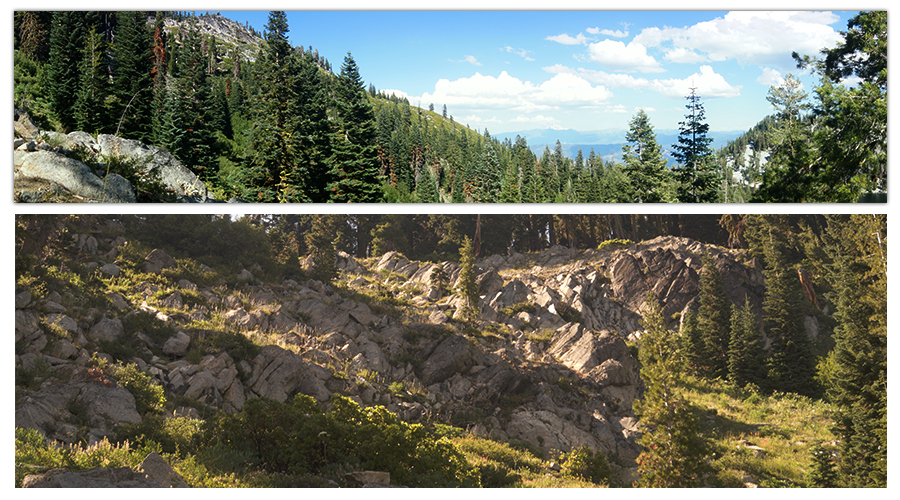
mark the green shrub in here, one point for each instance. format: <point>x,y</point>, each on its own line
<point>514,309</point>
<point>147,323</point>
<point>174,435</point>
<point>148,395</point>
<point>588,465</point>
<point>614,244</point>
<point>298,438</point>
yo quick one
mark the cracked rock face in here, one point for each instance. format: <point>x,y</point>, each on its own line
<point>557,373</point>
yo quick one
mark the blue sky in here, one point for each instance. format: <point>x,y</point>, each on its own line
<point>509,71</point>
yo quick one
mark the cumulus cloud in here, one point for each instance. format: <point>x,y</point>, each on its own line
<point>565,39</point>
<point>512,94</point>
<point>618,56</point>
<point>709,84</point>
<point>685,56</point>
<point>748,36</point>
<point>770,77</point>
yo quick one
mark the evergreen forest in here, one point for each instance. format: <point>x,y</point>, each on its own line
<point>265,121</point>
<point>730,389</point>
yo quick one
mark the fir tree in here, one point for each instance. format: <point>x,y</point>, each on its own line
<point>744,350</point>
<point>67,41</point>
<point>88,109</point>
<point>132,77</point>
<point>466,286</point>
<point>354,164</point>
<point>696,169</point>
<point>712,321</point>
<point>320,247</point>
<point>644,164</point>
<point>276,172</point>
<point>674,450</point>
<point>859,278</point>
<point>791,364</point>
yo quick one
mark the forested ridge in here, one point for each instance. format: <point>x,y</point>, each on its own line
<point>256,348</point>
<point>260,120</point>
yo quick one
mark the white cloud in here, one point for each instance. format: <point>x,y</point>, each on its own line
<point>615,55</point>
<point>471,60</point>
<point>770,77</point>
<point>519,52</point>
<point>399,93</point>
<point>685,56</point>
<point>565,39</point>
<point>708,83</point>
<point>604,32</point>
<point>749,36</point>
<point>480,92</point>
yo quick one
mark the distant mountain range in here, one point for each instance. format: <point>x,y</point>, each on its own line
<point>606,143</point>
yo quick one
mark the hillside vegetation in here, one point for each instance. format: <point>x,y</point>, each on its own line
<point>260,120</point>
<point>243,366</point>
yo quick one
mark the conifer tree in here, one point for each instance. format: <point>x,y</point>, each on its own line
<point>696,169</point>
<point>67,41</point>
<point>425,188</point>
<point>320,247</point>
<point>644,164</point>
<point>466,286</point>
<point>791,364</point>
<point>354,163</point>
<point>713,318</point>
<point>859,279</point>
<point>132,76</point>
<point>674,450</point>
<point>89,110</point>
<point>276,172</point>
<point>745,359</point>
<point>783,179</point>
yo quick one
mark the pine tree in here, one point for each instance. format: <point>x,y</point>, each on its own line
<point>320,247</point>
<point>745,359</point>
<point>89,112</point>
<point>466,286</point>
<point>644,164</point>
<point>791,364</point>
<point>354,164</point>
<point>859,278</point>
<point>696,169</point>
<point>712,321</point>
<point>425,187</point>
<point>67,41</point>
<point>276,171</point>
<point>674,449</point>
<point>132,76</point>
<point>851,122</point>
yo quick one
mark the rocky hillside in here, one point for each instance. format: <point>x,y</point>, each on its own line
<point>550,361</point>
<point>79,168</point>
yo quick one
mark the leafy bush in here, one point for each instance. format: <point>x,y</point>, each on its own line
<point>148,395</point>
<point>614,243</point>
<point>33,453</point>
<point>147,323</point>
<point>147,182</point>
<point>174,435</point>
<point>514,309</point>
<point>587,464</point>
<point>298,438</point>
